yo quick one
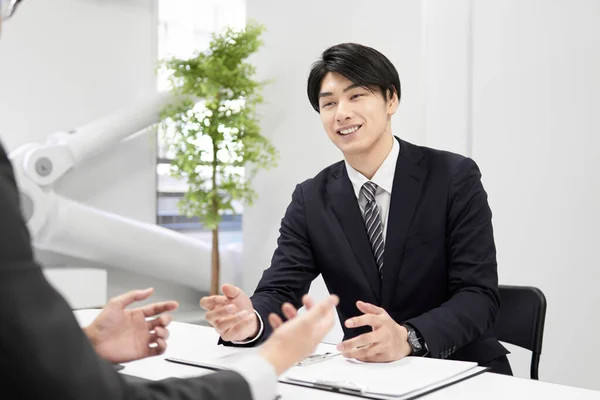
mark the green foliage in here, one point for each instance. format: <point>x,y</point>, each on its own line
<point>214,130</point>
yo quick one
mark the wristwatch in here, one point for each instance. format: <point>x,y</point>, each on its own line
<point>415,341</point>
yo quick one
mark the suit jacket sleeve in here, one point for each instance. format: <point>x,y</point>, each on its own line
<point>292,270</point>
<point>43,351</point>
<point>472,308</point>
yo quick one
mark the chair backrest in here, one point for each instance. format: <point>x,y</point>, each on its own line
<point>521,320</point>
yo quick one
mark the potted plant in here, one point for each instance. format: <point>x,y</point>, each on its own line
<point>214,130</point>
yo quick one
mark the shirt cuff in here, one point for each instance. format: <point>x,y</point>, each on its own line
<point>260,376</point>
<point>255,338</point>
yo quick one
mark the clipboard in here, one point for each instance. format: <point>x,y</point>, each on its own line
<point>351,389</point>
<point>421,376</point>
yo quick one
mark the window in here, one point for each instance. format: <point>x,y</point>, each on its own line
<point>185,27</point>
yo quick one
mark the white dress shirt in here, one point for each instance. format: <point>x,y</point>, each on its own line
<point>260,376</point>
<point>384,179</point>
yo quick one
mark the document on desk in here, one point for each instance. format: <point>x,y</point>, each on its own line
<point>408,378</point>
<point>212,357</point>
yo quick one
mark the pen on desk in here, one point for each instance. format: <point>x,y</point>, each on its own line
<point>315,358</point>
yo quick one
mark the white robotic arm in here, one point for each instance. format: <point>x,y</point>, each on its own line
<point>46,163</point>
<point>67,227</point>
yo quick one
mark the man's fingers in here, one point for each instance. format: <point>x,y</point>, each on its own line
<point>154,309</point>
<point>308,302</point>
<point>379,357</point>
<point>229,322</point>
<point>135,295</point>
<point>237,330</point>
<point>160,333</point>
<point>163,320</point>
<point>275,321</point>
<point>289,310</point>
<point>360,341</point>
<point>210,302</point>
<point>369,308</point>
<point>221,312</point>
<point>230,291</point>
<point>157,348</point>
<point>362,352</point>
<point>363,320</point>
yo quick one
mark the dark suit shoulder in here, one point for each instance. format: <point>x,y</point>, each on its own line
<point>320,180</point>
<point>14,237</point>
<point>6,167</point>
<point>440,157</point>
<point>438,162</point>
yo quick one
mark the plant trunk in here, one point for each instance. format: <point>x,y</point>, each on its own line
<point>214,283</point>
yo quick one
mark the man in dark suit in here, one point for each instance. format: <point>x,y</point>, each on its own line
<point>402,233</point>
<point>45,354</point>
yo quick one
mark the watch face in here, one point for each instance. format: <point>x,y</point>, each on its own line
<point>414,341</point>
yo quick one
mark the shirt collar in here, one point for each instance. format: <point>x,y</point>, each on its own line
<point>383,178</point>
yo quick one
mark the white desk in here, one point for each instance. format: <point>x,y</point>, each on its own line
<point>186,337</point>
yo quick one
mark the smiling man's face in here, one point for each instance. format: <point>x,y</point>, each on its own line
<point>355,118</point>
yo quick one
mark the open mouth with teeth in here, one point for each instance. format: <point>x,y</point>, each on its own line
<point>348,131</point>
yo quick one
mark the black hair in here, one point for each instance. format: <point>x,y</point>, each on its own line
<point>362,65</point>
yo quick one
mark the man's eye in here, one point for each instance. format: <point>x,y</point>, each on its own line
<point>355,96</point>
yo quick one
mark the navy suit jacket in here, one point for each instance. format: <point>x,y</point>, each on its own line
<point>439,269</point>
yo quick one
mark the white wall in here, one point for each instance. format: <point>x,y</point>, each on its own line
<point>447,79</point>
<point>515,85</point>
<point>535,126</point>
<point>64,63</point>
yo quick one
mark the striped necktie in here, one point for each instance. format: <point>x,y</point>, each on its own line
<point>373,223</point>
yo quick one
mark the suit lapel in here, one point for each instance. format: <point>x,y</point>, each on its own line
<point>408,183</point>
<point>347,211</point>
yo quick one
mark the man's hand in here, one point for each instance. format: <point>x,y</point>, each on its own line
<point>121,335</point>
<point>296,339</point>
<point>232,314</point>
<point>387,342</point>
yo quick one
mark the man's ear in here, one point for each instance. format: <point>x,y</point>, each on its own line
<point>392,101</point>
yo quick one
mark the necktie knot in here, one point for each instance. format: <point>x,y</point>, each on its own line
<point>368,190</point>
